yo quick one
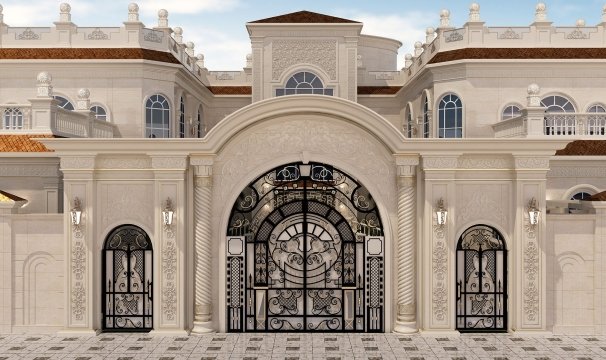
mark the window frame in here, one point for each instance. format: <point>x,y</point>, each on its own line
<point>15,119</point>
<point>300,77</point>
<point>166,117</point>
<point>67,101</point>
<point>459,120</point>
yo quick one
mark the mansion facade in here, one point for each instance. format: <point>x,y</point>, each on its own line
<point>319,188</point>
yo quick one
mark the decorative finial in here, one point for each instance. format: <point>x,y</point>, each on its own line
<point>407,60</point>
<point>418,48</point>
<point>200,61</point>
<point>44,88</point>
<point>64,12</point>
<point>178,35</point>
<point>133,12</point>
<point>540,12</point>
<point>444,18</point>
<point>162,18</point>
<point>429,34</point>
<point>474,12</point>
<point>604,13</point>
<point>249,60</point>
<point>534,100</point>
<point>580,23</point>
<point>83,102</point>
<point>189,48</point>
<point>1,15</point>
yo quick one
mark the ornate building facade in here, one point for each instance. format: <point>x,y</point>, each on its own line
<point>318,189</point>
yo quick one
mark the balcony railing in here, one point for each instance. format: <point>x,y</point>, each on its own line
<point>560,124</point>
<point>17,119</point>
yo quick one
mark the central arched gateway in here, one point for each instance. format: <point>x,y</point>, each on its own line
<point>305,252</point>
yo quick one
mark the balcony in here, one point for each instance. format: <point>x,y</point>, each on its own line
<point>18,119</point>
<point>554,124</point>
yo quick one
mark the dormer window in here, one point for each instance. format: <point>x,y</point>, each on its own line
<point>304,82</point>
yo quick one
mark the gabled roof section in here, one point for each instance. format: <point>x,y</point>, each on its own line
<point>304,17</point>
<point>8,197</point>
<point>584,148</point>
<point>598,197</point>
<point>22,143</point>
<point>86,53</point>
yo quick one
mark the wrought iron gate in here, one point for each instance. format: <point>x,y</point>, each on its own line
<point>305,252</point>
<point>127,280</point>
<point>481,280</point>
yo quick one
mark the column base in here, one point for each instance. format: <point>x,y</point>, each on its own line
<point>406,327</point>
<point>203,327</point>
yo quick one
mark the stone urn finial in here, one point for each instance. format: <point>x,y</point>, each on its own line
<point>83,102</point>
<point>474,12</point>
<point>44,88</point>
<point>444,18</point>
<point>64,13</point>
<point>418,48</point>
<point>580,23</point>
<point>178,33</point>
<point>162,18</point>
<point>200,60</point>
<point>407,60</point>
<point>189,48</point>
<point>249,60</point>
<point>133,12</point>
<point>429,35</point>
<point>540,13</point>
<point>534,100</point>
<point>604,13</point>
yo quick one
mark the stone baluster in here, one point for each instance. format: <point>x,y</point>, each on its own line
<point>407,234</point>
<point>203,246</point>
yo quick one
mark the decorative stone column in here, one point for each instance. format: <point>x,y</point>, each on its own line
<point>203,245</point>
<point>406,321</point>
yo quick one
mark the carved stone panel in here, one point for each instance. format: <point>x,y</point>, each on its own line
<point>123,203</point>
<point>321,53</point>
<point>483,202</point>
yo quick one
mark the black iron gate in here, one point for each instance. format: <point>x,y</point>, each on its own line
<point>481,280</point>
<point>127,280</point>
<point>305,253</point>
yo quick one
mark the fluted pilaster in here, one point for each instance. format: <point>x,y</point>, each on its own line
<point>203,249</point>
<point>407,232</point>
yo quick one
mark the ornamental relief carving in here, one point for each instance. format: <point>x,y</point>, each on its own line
<point>532,163</point>
<point>566,171</point>
<point>77,163</point>
<point>29,170</point>
<point>321,53</point>
<point>78,260</point>
<point>78,301</point>
<point>439,291</point>
<point>485,163</point>
<point>251,151</point>
<point>169,288</point>
<point>531,292</point>
<point>109,163</point>
<point>440,163</point>
<point>169,162</point>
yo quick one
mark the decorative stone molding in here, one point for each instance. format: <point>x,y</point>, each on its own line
<point>321,53</point>
<point>440,163</point>
<point>169,289</point>
<point>124,198</point>
<point>538,163</point>
<point>28,34</point>
<point>509,34</point>
<point>78,301</point>
<point>77,163</point>
<point>453,36</point>
<point>531,269</point>
<point>123,163</point>
<point>78,260</point>
<point>439,291</point>
<point>577,34</point>
<point>166,162</point>
<point>97,34</point>
<point>407,212</point>
<point>29,170</point>
<point>483,202</point>
<point>153,35</point>
<point>568,171</point>
<point>484,163</point>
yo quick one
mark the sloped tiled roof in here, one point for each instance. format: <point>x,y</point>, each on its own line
<point>378,90</point>
<point>519,53</point>
<point>86,53</point>
<point>230,90</point>
<point>584,147</point>
<point>598,197</point>
<point>6,197</point>
<point>303,17</point>
<point>22,143</point>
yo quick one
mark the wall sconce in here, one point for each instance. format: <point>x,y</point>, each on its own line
<point>168,213</point>
<point>76,213</point>
<point>441,213</point>
<point>533,212</point>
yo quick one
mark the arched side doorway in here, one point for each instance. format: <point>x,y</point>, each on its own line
<point>127,280</point>
<point>481,280</point>
<point>305,252</point>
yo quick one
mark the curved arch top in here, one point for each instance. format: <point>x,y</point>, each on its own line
<point>331,106</point>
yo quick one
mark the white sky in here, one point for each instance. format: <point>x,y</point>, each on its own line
<point>217,27</point>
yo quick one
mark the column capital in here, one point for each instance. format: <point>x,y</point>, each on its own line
<point>406,166</point>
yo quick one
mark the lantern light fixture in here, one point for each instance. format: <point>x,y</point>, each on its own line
<point>76,213</point>
<point>533,212</point>
<point>168,213</point>
<point>441,213</point>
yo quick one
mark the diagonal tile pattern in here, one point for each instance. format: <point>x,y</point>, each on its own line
<point>302,346</point>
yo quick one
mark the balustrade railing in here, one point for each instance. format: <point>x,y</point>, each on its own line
<point>514,127</point>
<point>560,124</point>
<point>70,123</point>
<point>15,117</point>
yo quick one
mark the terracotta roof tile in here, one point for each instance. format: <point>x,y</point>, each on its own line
<point>378,90</point>
<point>22,143</point>
<point>584,147</point>
<point>5,196</point>
<point>86,53</point>
<point>519,53</point>
<point>303,17</point>
<point>598,197</point>
<point>230,90</point>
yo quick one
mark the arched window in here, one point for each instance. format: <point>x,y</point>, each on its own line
<point>182,118</point>
<point>99,111</point>
<point>304,82</point>
<point>510,112</point>
<point>408,125</point>
<point>596,121</point>
<point>450,117</point>
<point>426,118</point>
<point>581,196</point>
<point>64,103</point>
<point>201,124</point>
<point>13,119</point>
<point>557,122</point>
<point>557,104</point>
<point>157,117</point>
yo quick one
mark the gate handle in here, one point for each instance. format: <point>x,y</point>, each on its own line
<point>458,290</point>
<point>149,290</point>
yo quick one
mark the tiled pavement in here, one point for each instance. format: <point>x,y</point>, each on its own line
<point>301,346</point>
